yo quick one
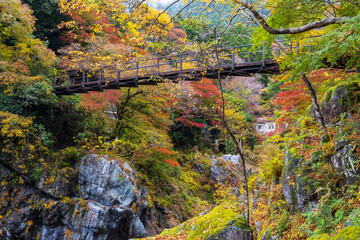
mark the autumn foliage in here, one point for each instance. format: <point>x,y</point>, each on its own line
<point>200,100</point>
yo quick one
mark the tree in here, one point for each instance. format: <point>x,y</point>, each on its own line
<point>306,18</point>
<point>300,20</point>
<point>26,64</point>
<point>195,114</point>
<point>23,143</point>
<point>139,117</point>
<point>48,17</point>
<point>236,136</point>
<point>22,56</point>
<point>282,21</point>
<point>108,32</point>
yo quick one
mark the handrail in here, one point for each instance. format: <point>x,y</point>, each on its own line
<point>199,52</point>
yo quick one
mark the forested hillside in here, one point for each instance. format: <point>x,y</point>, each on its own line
<point>266,147</point>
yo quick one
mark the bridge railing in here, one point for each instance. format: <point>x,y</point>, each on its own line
<point>184,63</point>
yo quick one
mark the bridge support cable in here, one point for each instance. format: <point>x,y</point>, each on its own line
<point>297,48</point>
<point>137,74</point>
<point>101,76</point>
<point>232,59</point>
<point>263,54</point>
<point>68,82</point>
<point>118,77</point>
<point>181,64</point>
<point>83,80</point>
<point>157,67</point>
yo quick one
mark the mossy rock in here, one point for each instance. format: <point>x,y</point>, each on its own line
<point>348,233</point>
<point>336,101</point>
<point>210,225</point>
<point>345,90</point>
<point>293,188</point>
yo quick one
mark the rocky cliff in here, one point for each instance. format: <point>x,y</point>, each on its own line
<point>99,199</point>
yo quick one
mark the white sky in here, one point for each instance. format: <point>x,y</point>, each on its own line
<point>163,1</point>
<point>156,3</point>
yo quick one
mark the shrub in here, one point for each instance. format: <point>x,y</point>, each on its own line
<point>70,156</point>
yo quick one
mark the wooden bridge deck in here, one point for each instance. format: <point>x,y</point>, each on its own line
<point>234,61</point>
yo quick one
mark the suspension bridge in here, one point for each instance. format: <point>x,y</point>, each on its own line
<point>190,66</point>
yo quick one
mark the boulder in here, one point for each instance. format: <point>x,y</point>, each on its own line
<point>336,101</point>
<point>232,233</point>
<point>101,208</point>
<point>156,218</point>
<point>224,222</point>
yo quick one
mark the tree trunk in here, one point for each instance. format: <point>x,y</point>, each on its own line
<point>121,110</point>
<point>317,110</point>
<point>238,146</point>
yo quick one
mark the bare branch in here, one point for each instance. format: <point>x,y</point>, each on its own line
<point>356,3</point>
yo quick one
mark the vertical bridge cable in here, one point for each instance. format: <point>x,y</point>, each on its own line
<point>263,54</point>
<point>137,73</point>
<point>181,62</point>
<point>68,85</point>
<point>233,58</point>
<point>118,76</point>
<point>158,67</point>
<point>83,80</point>
<point>297,48</point>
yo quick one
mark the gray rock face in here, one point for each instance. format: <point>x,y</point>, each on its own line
<point>335,103</point>
<point>217,172</point>
<point>293,187</point>
<point>97,222</point>
<point>64,185</point>
<point>233,233</point>
<point>4,172</point>
<point>106,182</point>
<point>155,219</point>
<point>266,236</point>
<point>301,195</point>
<point>99,209</point>
<point>345,161</point>
<point>234,159</point>
<point>337,100</point>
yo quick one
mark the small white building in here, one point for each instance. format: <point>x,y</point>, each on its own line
<point>263,126</point>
